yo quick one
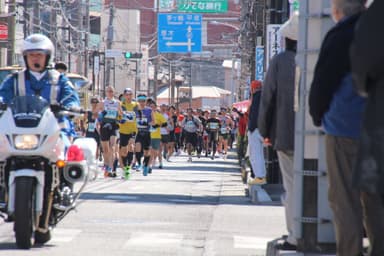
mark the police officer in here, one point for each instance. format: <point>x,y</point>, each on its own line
<point>37,78</point>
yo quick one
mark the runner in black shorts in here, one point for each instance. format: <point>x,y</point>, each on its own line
<point>91,121</point>
<point>213,126</point>
<point>172,136</point>
<point>144,118</point>
<point>191,125</point>
<point>128,130</point>
<point>110,110</point>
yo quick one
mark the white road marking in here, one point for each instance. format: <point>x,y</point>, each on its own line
<point>156,239</point>
<point>251,242</point>
<point>62,235</point>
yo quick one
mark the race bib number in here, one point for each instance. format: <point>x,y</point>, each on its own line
<point>129,116</point>
<point>224,130</point>
<point>142,123</point>
<point>190,125</point>
<point>111,114</point>
<point>213,126</point>
<point>91,127</point>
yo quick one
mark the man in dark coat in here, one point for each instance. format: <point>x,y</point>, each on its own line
<point>277,119</point>
<point>335,105</point>
<point>367,63</point>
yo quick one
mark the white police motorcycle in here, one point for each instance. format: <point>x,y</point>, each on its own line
<point>40,176</point>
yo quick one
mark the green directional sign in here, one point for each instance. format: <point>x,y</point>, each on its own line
<point>202,6</point>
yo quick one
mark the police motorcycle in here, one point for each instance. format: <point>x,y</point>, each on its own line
<point>41,173</point>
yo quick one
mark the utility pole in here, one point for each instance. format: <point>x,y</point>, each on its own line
<point>53,30</point>
<point>156,60</point>
<point>11,33</point>
<point>26,27</point>
<point>36,17</point>
<point>86,39</point>
<point>78,42</point>
<point>109,41</point>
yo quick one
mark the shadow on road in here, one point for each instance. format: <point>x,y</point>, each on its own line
<point>141,198</point>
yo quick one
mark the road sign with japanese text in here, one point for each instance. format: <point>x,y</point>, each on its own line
<point>179,33</point>
<point>207,6</point>
<point>259,74</point>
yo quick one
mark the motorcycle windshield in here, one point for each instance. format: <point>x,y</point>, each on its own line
<point>28,110</point>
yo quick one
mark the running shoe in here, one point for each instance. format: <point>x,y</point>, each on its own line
<point>145,170</point>
<point>127,173</point>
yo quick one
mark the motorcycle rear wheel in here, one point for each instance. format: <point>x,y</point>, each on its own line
<point>24,212</point>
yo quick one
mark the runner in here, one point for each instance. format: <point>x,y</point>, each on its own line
<point>110,110</point>
<point>172,136</point>
<point>128,131</point>
<point>200,133</point>
<point>92,129</point>
<point>164,130</point>
<point>226,125</point>
<point>191,125</point>
<point>144,118</point>
<point>213,126</point>
<point>159,120</point>
<point>205,133</point>
<point>178,132</point>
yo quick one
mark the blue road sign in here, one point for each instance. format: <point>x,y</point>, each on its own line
<point>259,63</point>
<point>179,33</point>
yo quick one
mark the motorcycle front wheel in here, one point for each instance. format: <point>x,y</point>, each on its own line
<point>24,212</point>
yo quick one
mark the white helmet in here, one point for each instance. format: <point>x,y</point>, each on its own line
<point>290,28</point>
<point>39,42</point>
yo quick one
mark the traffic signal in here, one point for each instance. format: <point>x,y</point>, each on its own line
<point>133,55</point>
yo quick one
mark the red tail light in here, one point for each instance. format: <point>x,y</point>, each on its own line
<point>75,153</point>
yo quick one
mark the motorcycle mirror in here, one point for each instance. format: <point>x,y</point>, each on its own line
<point>3,105</point>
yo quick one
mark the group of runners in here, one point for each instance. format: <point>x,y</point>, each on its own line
<point>135,133</point>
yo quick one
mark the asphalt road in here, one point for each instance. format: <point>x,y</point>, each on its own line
<point>197,208</point>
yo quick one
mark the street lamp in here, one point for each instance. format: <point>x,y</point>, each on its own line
<point>234,62</point>
<point>215,22</point>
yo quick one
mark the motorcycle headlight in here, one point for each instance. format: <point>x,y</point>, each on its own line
<point>26,141</point>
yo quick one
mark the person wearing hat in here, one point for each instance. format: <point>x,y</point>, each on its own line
<point>336,107</point>
<point>255,145</point>
<point>128,131</point>
<point>276,120</point>
<point>144,119</point>
<point>110,111</point>
<point>212,128</point>
<point>61,67</point>
<point>92,129</point>
<point>191,125</point>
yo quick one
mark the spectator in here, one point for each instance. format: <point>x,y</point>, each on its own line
<point>241,139</point>
<point>255,141</point>
<point>61,67</point>
<point>277,118</point>
<point>335,105</point>
<point>367,58</point>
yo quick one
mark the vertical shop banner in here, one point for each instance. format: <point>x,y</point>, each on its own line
<point>273,42</point>
<point>144,68</point>
<point>259,58</point>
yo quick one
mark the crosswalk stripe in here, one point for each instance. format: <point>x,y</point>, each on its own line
<point>64,234</point>
<point>154,239</point>
<point>250,242</point>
